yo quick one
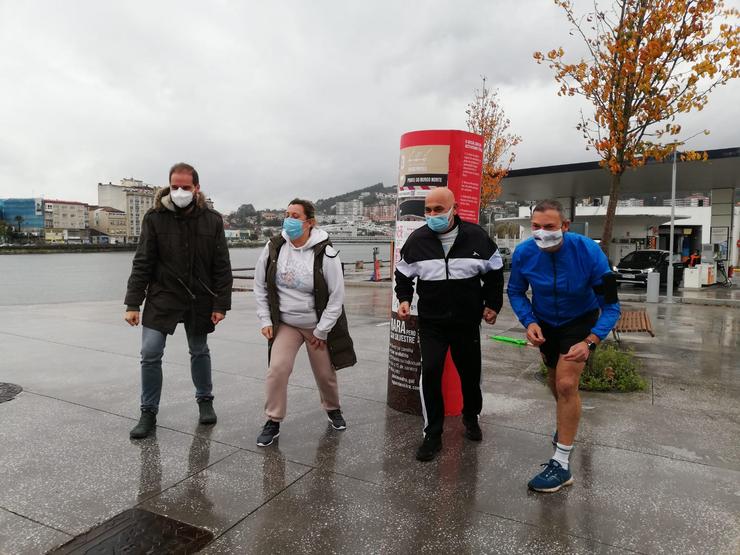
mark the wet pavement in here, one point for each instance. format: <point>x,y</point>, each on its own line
<point>656,471</point>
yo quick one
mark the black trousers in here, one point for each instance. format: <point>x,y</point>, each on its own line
<point>463,340</point>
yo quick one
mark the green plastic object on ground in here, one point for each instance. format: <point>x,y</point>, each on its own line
<point>504,339</point>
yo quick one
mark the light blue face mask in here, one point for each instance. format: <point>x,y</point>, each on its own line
<point>439,223</point>
<point>293,227</point>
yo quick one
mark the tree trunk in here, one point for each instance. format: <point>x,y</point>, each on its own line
<point>611,210</point>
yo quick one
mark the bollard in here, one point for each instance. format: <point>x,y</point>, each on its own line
<point>376,265</point>
<point>653,287</point>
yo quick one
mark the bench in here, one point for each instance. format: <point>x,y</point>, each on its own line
<point>633,321</point>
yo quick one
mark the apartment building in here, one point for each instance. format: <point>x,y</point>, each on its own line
<point>65,214</point>
<point>109,221</point>
<point>350,208</point>
<point>381,213</point>
<point>131,196</point>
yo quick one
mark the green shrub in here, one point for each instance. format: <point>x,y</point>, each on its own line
<point>610,369</point>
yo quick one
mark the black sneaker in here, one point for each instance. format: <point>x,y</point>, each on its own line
<point>147,424</point>
<point>472,429</point>
<point>270,431</point>
<point>207,414</point>
<point>336,419</point>
<point>429,449</point>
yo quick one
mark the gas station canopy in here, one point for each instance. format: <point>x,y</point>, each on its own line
<point>588,179</point>
<point>596,221</point>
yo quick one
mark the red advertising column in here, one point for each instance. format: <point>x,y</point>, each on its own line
<point>429,159</point>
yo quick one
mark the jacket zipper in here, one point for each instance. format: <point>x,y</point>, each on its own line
<point>192,296</point>
<point>447,260</point>
<point>166,267</point>
<point>555,287</point>
<point>447,256</point>
<point>206,287</point>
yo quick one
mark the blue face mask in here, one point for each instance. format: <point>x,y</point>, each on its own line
<point>293,227</point>
<point>439,223</point>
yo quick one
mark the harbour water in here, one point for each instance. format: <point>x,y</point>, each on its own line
<point>101,276</point>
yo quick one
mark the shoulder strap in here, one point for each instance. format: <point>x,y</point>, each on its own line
<point>276,243</point>
<point>318,254</point>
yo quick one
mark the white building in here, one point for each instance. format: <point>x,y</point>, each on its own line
<point>353,208</point>
<point>138,202</point>
<point>65,214</point>
<point>109,221</point>
<point>133,197</point>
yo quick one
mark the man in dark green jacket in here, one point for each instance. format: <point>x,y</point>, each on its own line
<point>182,268</point>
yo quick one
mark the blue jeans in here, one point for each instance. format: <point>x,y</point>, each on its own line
<point>152,350</point>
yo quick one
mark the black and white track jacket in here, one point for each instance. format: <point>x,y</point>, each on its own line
<point>455,288</point>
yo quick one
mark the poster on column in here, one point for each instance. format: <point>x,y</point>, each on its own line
<point>428,159</point>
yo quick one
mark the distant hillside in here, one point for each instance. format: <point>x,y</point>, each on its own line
<point>327,205</point>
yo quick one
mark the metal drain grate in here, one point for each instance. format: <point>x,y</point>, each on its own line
<point>8,391</point>
<point>138,531</point>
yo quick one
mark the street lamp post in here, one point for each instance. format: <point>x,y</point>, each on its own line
<point>669,278</point>
<point>488,213</point>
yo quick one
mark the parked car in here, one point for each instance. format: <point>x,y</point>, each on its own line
<point>635,267</point>
<point>505,257</point>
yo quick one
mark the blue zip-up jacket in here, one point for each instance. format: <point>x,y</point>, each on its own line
<point>565,284</point>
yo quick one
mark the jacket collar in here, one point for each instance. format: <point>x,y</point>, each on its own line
<point>163,202</point>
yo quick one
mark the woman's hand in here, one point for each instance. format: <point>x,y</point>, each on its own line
<point>316,343</point>
<point>267,332</point>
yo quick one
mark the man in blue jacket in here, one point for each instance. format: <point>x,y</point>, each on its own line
<point>574,306</point>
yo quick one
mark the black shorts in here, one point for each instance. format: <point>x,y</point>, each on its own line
<point>558,341</point>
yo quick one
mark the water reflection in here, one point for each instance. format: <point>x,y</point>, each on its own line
<point>150,467</point>
<point>193,492</point>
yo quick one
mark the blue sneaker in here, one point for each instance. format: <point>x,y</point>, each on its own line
<point>552,479</point>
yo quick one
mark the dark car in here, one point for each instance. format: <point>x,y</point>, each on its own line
<point>635,267</point>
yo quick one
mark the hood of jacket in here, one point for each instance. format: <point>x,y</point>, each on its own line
<point>162,200</point>
<point>317,235</point>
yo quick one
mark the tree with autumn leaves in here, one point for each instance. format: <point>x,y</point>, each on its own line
<point>648,62</point>
<point>486,118</point>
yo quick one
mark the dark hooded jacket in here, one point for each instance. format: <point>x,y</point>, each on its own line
<point>181,267</point>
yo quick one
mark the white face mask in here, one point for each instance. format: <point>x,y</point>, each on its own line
<point>545,239</point>
<point>181,197</point>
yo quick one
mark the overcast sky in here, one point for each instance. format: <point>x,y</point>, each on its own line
<point>270,100</point>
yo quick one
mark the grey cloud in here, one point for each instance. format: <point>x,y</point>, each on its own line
<point>269,100</point>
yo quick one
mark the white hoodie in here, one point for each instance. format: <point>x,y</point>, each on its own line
<point>295,285</point>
